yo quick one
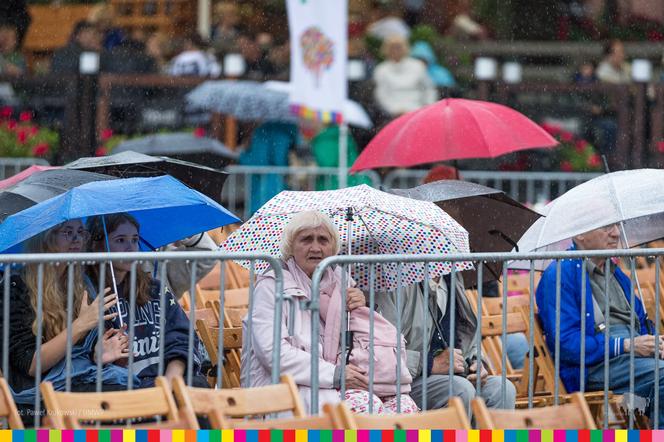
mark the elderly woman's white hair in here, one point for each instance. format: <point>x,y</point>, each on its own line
<point>309,219</point>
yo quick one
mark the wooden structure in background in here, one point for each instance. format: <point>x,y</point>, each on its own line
<point>172,17</point>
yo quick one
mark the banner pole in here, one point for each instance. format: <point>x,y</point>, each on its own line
<point>343,155</point>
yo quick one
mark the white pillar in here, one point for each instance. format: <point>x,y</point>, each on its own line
<point>203,21</point>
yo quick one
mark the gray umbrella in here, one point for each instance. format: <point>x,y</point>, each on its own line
<point>182,146</point>
<point>494,221</point>
<point>130,164</point>
<point>245,100</point>
<point>251,101</point>
<point>41,186</point>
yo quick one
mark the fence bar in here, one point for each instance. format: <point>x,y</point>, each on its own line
<point>162,316</point>
<point>70,319</point>
<point>39,337</point>
<point>399,294</point>
<point>192,322</point>
<point>607,270</point>
<point>5,320</point>
<point>131,317</point>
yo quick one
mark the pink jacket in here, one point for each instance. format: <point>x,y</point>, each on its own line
<point>295,357</point>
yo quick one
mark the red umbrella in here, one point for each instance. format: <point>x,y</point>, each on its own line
<point>452,129</point>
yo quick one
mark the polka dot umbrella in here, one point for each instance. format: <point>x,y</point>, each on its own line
<point>382,224</point>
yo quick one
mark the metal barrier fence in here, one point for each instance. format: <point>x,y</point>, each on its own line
<point>12,166</point>
<point>590,341</point>
<point>525,187</point>
<point>20,272</point>
<point>250,187</point>
<point>68,265</point>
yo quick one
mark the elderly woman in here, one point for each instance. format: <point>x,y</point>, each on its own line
<point>309,238</point>
<point>402,82</point>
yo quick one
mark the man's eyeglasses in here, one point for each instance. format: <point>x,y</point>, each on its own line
<point>610,227</point>
<point>71,235</point>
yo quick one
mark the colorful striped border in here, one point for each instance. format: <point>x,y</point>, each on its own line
<point>331,436</point>
<point>312,114</point>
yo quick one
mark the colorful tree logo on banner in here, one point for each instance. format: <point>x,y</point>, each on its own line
<point>317,50</point>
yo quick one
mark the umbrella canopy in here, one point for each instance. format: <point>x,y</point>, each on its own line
<point>166,209</point>
<point>452,129</point>
<point>182,146</point>
<point>15,179</point>
<point>41,186</point>
<point>383,223</point>
<point>251,101</point>
<point>493,220</point>
<point>129,164</point>
<point>633,197</point>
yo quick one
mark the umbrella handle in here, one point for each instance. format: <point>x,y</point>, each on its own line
<point>115,284</point>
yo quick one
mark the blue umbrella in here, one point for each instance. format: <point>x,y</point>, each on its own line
<point>166,209</point>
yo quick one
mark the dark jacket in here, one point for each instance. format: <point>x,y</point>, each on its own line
<point>66,59</point>
<point>22,342</point>
<point>147,334</point>
<point>570,319</point>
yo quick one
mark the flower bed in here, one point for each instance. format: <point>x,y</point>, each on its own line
<point>21,137</point>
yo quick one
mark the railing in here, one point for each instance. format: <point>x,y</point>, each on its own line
<point>69,267</point>
<point>525,187</point>
<point>12,166</point>
<point>554,298</point>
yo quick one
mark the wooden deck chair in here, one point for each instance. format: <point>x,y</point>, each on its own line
<point>492,331</point>
<point>573,415</point>
<point>78,410</point>
<point>185,302</point>
<point>236,305</point>
<point>329,420</point>
<point>454,417</point>
<point>224,404</point>
<point>8,408</point>
<point>494,306</point>
<point>544,366</point>
<point>207,327</point>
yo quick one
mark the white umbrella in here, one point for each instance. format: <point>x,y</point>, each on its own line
<point>353,111</point>
<point>633,198</point>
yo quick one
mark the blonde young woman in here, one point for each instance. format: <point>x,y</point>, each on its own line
<point>68,237</point>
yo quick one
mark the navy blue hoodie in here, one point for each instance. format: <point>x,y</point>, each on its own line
<point>147,333</point>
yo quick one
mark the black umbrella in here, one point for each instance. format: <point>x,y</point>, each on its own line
<point>130,164</point>
<point>182,146</point>
<point>494,221</point>
<point>41,186</point>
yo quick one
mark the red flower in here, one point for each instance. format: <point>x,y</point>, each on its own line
<point>11,124</point>
<point>566,136</point>
<point>6,112</point>
<point>581,145</point>
<point>106,134</point>
<point>22,136</point>
<point>101,151</point>
<point>594,160</point>
<point>566,166</point>
<point>34,130</point>
<point>25,116</point>
<point>553,130</point>
<point>199,132</point>
<point>660,147</point>
<point>40,150</point>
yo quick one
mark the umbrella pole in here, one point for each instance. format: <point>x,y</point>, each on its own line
<point>349,236</point>
<point>115,284</point>
<point>623,233</point>
<point>343,157</point>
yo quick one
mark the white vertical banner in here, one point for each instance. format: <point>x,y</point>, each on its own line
<point>319,55</point>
